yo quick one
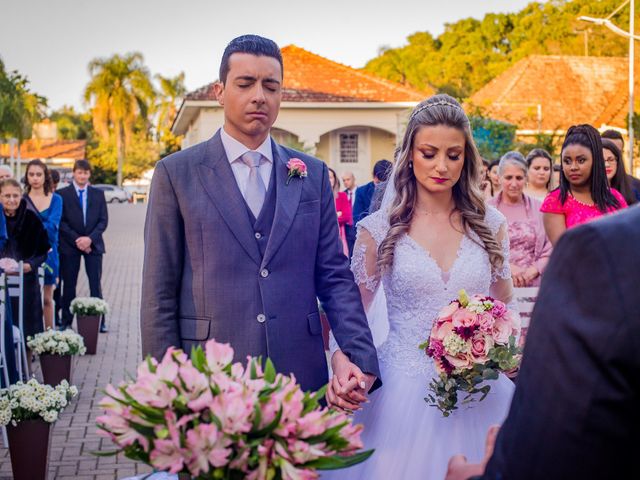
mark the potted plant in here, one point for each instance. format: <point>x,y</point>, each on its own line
<point>28,410</point>
<point>56,350</point>
<point>208,418</point>
<point>88,312</point>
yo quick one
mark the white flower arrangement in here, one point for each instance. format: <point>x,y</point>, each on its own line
<point>89,306</point>
<point>56,342</point>
<point>33,400</point>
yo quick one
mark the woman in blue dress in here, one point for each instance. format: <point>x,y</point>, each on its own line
<point>48,204</point>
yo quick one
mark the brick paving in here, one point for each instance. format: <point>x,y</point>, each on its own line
<point>74,435</point>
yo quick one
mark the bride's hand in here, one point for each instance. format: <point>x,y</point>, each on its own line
<point>347,389</point>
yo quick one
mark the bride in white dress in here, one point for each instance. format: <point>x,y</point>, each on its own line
<point>433,236</point>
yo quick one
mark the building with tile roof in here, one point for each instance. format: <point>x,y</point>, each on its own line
<point>549,93</point>
<point>345,116</point>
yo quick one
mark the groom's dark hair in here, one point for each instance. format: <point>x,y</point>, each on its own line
<point>253,44</point>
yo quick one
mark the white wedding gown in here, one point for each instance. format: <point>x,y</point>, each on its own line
<point>412,440</point>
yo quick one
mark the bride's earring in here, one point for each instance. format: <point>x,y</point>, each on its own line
<point>411,165</point>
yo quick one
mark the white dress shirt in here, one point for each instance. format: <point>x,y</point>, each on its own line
<point>234,150</point>
<point>84,199</point>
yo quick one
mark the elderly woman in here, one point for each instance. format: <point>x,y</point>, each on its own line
<point>529,246</point>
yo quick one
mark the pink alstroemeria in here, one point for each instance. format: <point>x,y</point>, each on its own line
<point>208,447</point>
<point>290,472</point>
<point>312,424</point>
<point>219,355</point>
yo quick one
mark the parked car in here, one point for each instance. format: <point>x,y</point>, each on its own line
<point>113,193</point>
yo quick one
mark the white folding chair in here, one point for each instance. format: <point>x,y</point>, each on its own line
<point>15,287</point>
<point>3,353</point>
<point>526,298</point>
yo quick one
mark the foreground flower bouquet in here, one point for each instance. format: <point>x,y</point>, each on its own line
<point>472,340</point>
<point>210,419</point>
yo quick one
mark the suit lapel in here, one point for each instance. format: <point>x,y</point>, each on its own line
<point>287,200</point>
<point>220,184</point>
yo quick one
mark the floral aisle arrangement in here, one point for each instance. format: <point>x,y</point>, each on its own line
<point>209,418</point>
<point>56,350</point>
<point>89,312</point>
<point>57,342</point>
<point>28,410</point>
<point>472,340</point>
<point>89,306</point>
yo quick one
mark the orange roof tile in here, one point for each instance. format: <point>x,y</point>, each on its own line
<point>570,90</point>
<point>311,78</point>
<point>49,149</point>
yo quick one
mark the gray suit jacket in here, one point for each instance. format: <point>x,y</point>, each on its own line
<point>204,276</point>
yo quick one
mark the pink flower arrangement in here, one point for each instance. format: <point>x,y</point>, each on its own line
<point>471,341</point>
<point>209,418</point>
<point>297,168</point>
<point>9,265</point>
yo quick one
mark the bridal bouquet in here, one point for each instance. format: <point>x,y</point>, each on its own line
<point>471,341</point>
<point>209,418</point>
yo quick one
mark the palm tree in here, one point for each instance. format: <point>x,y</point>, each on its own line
<point>121,92</point>
<point>171,90</point>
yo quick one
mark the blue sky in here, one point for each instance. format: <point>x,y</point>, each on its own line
<point>52,41</point>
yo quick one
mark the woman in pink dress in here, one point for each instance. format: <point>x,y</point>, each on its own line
<point>343,209</point>
<point>529,246</point>
<point>584,192</point>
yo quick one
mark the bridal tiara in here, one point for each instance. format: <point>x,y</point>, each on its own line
<point>426,106</point>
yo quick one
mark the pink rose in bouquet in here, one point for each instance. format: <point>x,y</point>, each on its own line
<point>471,341</point>
<point>209,418</point>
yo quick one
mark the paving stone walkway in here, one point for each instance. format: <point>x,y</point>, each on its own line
<point>75,434</point>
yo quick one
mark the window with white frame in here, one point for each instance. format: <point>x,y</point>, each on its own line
<point>348,147</point>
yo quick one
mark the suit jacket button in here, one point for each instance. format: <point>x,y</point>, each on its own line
<point>261,318</point>
<point>258,235</point>
<point>264,273</point>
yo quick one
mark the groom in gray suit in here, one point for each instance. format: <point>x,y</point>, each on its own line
<point>238,246</point>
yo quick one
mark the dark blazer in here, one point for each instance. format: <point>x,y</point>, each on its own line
<point>72,225</point>
<point>204,276</point>
<point>364,194</point>
<point>576,409</point>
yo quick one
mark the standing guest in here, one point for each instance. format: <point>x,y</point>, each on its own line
<point>574,414</point>
<point>343,208</point>
<point>84,219</point>
<point>555,175</point>
<point>539,168</point>
<point>40,194</point>
<point>5,172</point>
<point>484,178</point>
<point>364,194</point>
<point>584,192</point>
<point>27,241</point>
<point>616,174</point>
<point>349,180</point>
<point>55,179</point>
<point>616,137</point>
<point>493,185</point>
<point>529,246</point>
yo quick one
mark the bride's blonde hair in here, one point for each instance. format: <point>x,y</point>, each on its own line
<point>439,110</point>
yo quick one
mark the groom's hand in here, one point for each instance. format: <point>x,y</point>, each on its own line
<point>349,385</point>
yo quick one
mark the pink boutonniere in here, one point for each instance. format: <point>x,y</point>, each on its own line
<point>297,168</point>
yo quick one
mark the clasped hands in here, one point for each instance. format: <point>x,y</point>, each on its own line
<point>348,387</point>
<point>83,244</point>
<point>523,276</point>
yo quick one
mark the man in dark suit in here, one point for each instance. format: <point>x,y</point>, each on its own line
<point>84,219</point>
<point>241,240</point>
<point>575,409</point>
<point>364,194</point>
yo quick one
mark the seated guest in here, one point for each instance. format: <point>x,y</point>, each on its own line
<point>584,192</point>
<point>616,174</point>
<point>364,194</point>
<point>529,247</point>
<point>539,168</point>
<point>27,241</point>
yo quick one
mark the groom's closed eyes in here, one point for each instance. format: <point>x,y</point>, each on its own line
<point>247,81</point>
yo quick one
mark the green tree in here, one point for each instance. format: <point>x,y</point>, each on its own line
<point>471,52</point>
<point>72,125</point>
<point>19,107</point>
<point>121,94</point>
<point>171,90</point>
